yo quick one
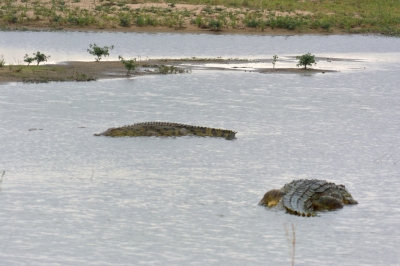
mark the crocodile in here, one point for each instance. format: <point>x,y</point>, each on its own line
<point>166,129</point>
<point>304,197</point>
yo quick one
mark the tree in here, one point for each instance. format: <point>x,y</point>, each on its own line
<point>306,60</point>
<point>99,52</point>
<point>2,61</point>
<point>39,57</point>
<point>129,64</point>
<point>274,59</point>
<point>28,59</point>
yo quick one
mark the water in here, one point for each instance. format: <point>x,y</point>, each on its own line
<point>70,198</point>
<point>69,46</point>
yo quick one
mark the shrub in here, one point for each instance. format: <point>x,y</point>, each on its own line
<point>215,25</point>
<point>28,59</point>
<point>11,18</point>
<point>99,52</point>
<point>129,64</point>
<point>2,61</point>
<point>39,57</point>
<point>284,22</point>
<point>125,21</point>
<point>170,70</point>
<point>306,60</point>
<point>141,21</point>
<point>251,23</point>
<point>274,59</point>
<point>326,25</point>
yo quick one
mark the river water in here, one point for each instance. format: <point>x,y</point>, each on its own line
<point>69,198</point>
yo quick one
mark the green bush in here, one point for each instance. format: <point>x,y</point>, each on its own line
<point>326,25</point>
<point>163,69</point>
<point>28,59</point>
<point>99,52</point>
<point>251,23</point>
<point>125,21</point>
<point>306,60</point>
<point>274,60</point>
<point>129,64</point>
<point>284,22</point>
<point>215,25</point>
<point>141,21</point>
<point>2,61</point>
<point>39,57</point>
<point>11,18</point>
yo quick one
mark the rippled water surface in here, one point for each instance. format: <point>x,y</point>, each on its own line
<point>70,198</point>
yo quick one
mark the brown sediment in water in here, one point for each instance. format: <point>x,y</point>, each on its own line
<point>89,71</point>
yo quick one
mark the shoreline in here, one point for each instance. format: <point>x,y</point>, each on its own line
<point>92,71</point>
<point>186,30</point>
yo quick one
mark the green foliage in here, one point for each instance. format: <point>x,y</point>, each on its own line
<point>326,25</point>
<point>2,61</point>
<point>171,70</point>
<point>129,64</point>
<point>284,22</point>
<point>124,21</point>
<point>57,18</point>
<point>199,22</point>
<point>306,60</point>
<point>215,25</point>
<point>28,59</point>
<point>39,57</point>
<point>99,52</point>
<point>141,21</point>
<point>10,18</point>
<point>251,23</point>
<point>274,59</point>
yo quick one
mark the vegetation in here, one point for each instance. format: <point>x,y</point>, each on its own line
<point>171,70</point>
<point>2,61</point>
<point>274,59</point>
<point>350,16</point>
<point>39,57</point>
<point>128,64</point>
<point>28,59</point>
<point>43,74</point>
<point>99,52</point>
<point>306,60</point>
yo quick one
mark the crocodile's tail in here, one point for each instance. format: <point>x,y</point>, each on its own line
<point>194,130</point>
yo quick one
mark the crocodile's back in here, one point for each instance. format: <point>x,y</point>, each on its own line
<point>167,129</point>
<point>301,194</point>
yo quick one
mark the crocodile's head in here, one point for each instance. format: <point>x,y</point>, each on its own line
<point>272,197</point>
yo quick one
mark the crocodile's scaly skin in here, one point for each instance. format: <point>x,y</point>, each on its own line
<point>166,129</point>
<point>304,197</point>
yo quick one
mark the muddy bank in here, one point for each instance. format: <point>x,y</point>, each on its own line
<point>91,71</point>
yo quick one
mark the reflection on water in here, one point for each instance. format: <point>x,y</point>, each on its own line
<point>71,198</point>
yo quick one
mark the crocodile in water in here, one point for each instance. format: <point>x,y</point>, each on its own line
<point>166,129</point>
<point>304,197</point>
